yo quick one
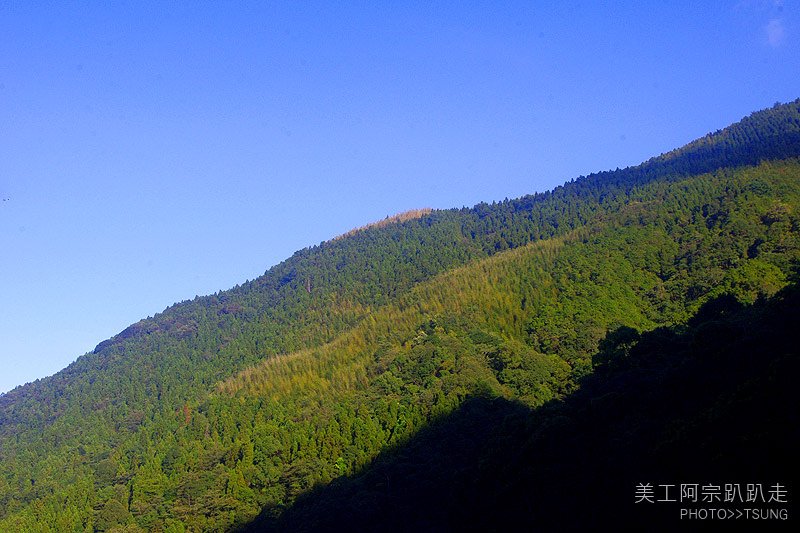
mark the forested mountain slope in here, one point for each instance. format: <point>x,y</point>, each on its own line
<point>711,402</point>
<point>220,407</point>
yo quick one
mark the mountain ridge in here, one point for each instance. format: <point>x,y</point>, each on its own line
<point>642,247</point>
<point>786,128</point>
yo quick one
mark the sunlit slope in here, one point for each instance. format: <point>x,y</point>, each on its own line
<point>383,329</point>
<point>159,363</point>
<point>710,399</point>
<point>653,263</point>
<point>523,325</point>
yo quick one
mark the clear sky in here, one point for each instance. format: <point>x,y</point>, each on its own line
<point>154,151</point>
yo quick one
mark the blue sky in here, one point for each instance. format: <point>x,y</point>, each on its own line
<point>154,151</point>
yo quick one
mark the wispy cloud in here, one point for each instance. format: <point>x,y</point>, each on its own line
<point>776,34</point>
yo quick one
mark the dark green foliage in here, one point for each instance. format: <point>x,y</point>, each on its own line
<point>231,406</point>
<point>616,346</point>
<point>670,413</point>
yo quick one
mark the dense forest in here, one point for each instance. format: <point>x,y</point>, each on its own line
<point>708,400</point>
<point>437,370</point>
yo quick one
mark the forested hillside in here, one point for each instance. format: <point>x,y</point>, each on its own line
<point>712,400</point>
<point>231,406</point>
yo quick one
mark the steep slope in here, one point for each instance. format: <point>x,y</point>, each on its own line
<point>347,277</point>
<point>712,401</point>
<point>641,247</point>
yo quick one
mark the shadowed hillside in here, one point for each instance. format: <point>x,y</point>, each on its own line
<point>712,402</point>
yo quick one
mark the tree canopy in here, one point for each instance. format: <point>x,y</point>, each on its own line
<point>231,407</point>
